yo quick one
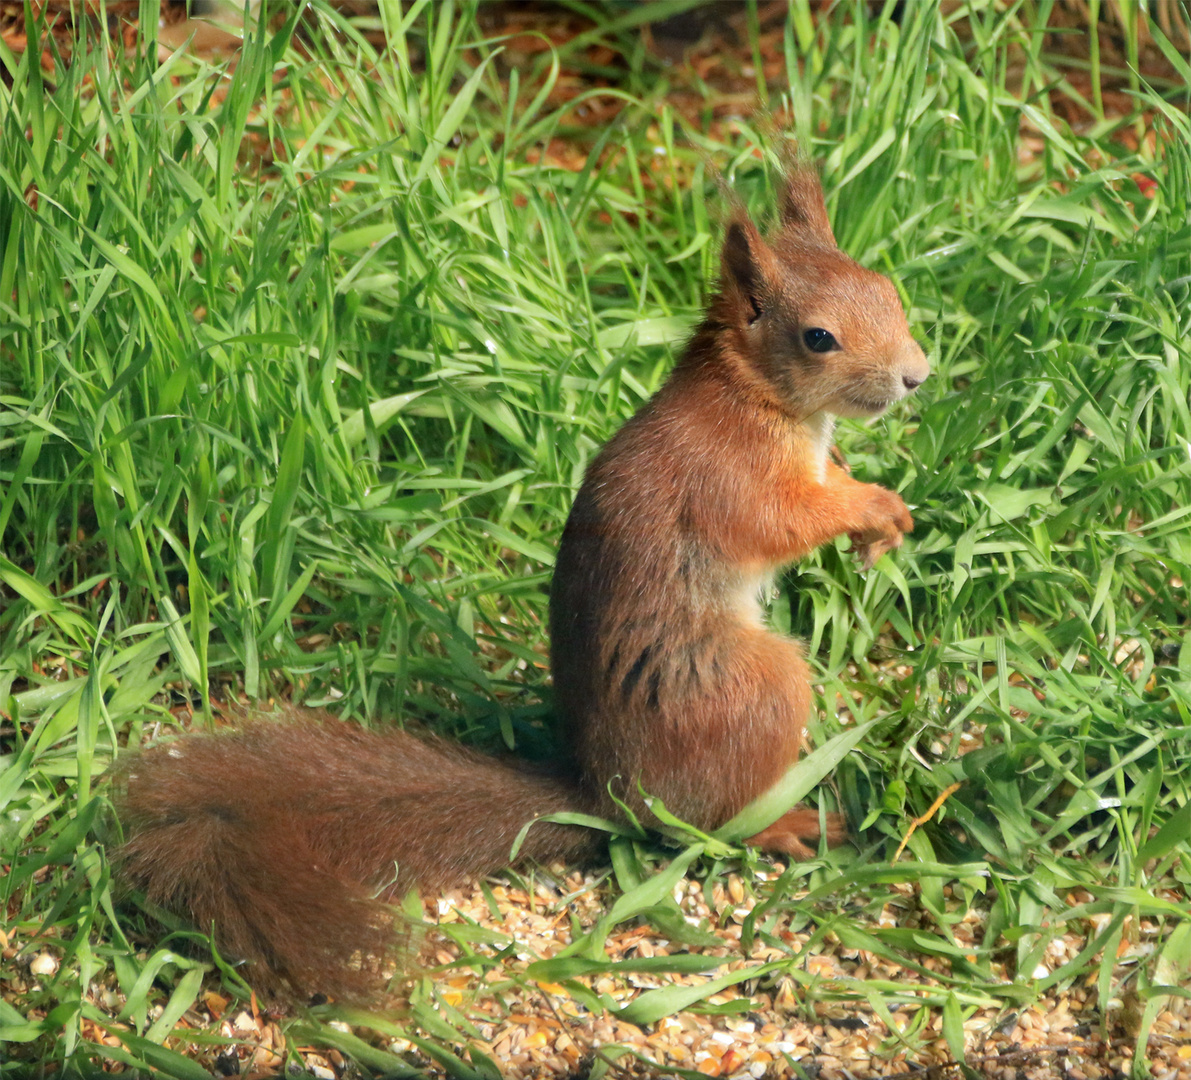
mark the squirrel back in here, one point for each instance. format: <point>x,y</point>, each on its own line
<point>286,837</point>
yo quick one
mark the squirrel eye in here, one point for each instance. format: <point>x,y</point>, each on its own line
<point>819,340</point>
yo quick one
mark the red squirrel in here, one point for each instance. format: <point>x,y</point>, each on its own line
<point>284,837</point>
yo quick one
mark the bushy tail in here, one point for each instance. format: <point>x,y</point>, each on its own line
<point>280,837</point>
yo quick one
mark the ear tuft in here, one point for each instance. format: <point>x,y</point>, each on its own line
<point>803,209</point>
<point>740,266</point>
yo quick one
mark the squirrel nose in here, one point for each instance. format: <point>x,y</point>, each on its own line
<point>911,382</point>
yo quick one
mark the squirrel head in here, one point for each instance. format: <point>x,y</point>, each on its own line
<point>818,332</point>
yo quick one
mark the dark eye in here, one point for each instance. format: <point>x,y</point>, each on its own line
<point>819,340</point>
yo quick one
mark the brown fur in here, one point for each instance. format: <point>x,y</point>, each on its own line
<point>286,837</point>
<point>663,671</point>
<point>280,836</point>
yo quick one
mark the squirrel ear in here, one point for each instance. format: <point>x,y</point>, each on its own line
<point>739,260</point>
<point>802,207</point>
<point>744,258</point>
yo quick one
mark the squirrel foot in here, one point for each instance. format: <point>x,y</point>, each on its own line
<point>788,835</point>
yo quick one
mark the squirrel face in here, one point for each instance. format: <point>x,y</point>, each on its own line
<point>814,331</point>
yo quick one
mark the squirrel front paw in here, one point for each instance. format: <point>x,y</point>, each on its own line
<point>886,520</point>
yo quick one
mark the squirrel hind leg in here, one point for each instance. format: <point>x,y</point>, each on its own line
<point>790,833</point>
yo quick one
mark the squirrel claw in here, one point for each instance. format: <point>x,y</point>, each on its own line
<point>866,557</point>
<point>868,552</point>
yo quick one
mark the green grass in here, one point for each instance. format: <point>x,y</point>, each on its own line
<point>301,366</point>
